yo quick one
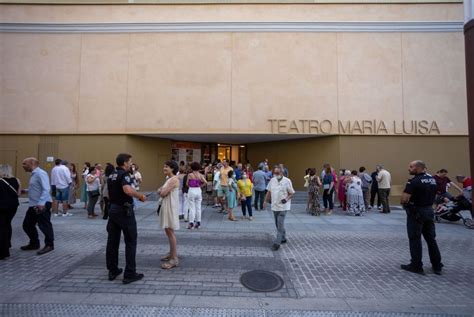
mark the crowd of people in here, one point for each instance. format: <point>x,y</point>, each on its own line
<point>91,182</point>
<point>355,190</point>
<point>226,185</point>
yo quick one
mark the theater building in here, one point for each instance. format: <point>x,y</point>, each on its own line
<point>300,82</point>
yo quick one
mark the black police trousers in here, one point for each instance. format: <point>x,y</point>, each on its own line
<point>119,222</point>
<point>420,221</point>
<point>44,223</point>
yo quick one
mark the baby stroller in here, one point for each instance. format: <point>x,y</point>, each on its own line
<point>451,211</point>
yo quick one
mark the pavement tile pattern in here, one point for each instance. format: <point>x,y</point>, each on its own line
<point>54,310</point>
<point>350,261</point>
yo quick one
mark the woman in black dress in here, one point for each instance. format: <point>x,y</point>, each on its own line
<point>9,192</point>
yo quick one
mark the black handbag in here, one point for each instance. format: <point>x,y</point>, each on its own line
<point>158,209</point>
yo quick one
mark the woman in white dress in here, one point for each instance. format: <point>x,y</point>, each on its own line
<point>169,212</point>
<point>355,197</point>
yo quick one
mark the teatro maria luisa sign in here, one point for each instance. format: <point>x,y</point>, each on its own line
<point>368,127</point>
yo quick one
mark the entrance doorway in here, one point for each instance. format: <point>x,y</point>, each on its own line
<point>208,152</point>
<point>224,152</point>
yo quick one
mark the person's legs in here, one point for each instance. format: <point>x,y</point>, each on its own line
<point>172,242</point>
<point>106,208</point>
<point>4,242</point>
<point>45,225</point>
<point>257,197</point>
<point>262,199</point>
<point>63,194</point>
<point>384,199</point>
<point>331,200</point>
<point>29,226</point>
<point>91,204</point>
<point>129,228</point>
<point>365,194</point>
<point>248,201</point>
<point>113,241</point>
<point>10,215</point>
<point>373,193</point>
<point>186,207</point>
<point>243,206</point>
<point>192,206</point>
<point>429,233</point>
<point>280,224</point>
<point>325,199</point>
<point>198,207</point>
<point>414,237</point>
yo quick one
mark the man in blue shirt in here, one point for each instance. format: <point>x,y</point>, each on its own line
<point>259,185</point>
<point>238,171</point>
<point>39,211</point>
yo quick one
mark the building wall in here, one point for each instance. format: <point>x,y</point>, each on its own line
<point>351,152</point>
<point>148,153</point>
<point>138,81</point>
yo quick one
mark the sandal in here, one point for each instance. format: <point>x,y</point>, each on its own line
<point>170,264</point>
<point>166,257</point>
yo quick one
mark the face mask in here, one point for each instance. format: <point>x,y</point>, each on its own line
<point>279,177</point>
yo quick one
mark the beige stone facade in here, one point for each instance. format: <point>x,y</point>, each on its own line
<point>378,80</point>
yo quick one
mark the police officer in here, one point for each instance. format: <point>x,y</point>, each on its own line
<point>418,198</point>
<point>122,219</point>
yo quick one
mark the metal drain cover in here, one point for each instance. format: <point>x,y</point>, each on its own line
<point>261,281</point>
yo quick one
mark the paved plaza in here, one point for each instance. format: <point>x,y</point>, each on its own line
<point>332,266</point>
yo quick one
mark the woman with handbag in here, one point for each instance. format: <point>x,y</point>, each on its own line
<point>93,191</point>
<point>169,212</point>
<point>9,192</point>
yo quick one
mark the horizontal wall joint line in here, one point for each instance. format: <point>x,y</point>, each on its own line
<point>202,27</point>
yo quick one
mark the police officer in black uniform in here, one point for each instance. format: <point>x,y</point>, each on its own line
<point>122,219</point>
<point>418,198</point>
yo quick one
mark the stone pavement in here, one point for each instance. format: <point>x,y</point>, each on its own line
<point>332,266</point>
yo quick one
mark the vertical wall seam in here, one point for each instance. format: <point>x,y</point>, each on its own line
<point>337,76</point>
<point>127,84</point>
<point>401,76</point>
<point>231,78</point>
<point>78,112</point>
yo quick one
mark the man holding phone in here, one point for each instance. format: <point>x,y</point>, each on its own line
<point>280,190</point>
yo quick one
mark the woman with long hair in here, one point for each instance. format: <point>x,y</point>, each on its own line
<point>169,217</point>
<point>328,190</point>
<point>314,183</point>
<point>109,169</point>
<point>231,195</point>
<point>74,184</point>
<point>195,181</point>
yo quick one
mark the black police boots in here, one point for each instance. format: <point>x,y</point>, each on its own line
<point>133,278</point>
<point>113,275</point>
<point>410,268</point>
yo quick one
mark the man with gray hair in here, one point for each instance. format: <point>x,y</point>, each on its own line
<point>384,180</point>
<point>280,190</point>
<point>417,199</point>
<point>39,211</point>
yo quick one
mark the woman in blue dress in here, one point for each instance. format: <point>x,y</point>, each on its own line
<point>231,196</point>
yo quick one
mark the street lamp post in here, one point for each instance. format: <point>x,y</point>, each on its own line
<point>469,49</point>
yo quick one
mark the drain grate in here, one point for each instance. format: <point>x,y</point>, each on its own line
<point>261,281</point>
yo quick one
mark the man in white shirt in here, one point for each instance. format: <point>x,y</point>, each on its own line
<point>384,180</point>
<point>280,190</point>
<point>61,179</point>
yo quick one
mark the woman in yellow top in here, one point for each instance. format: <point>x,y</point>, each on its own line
<point>245,193</point>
